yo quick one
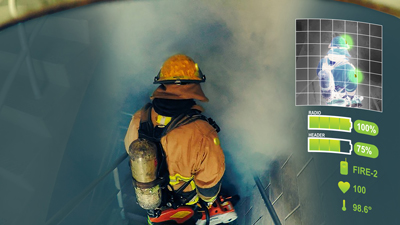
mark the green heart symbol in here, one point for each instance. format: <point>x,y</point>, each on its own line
<point>344,186</point>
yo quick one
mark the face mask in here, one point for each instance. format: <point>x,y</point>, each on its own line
<point>336,58</point>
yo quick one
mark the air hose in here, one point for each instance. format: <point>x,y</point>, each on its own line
<point>203,205</point>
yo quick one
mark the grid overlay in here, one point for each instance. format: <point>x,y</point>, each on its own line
<point>313,37</point>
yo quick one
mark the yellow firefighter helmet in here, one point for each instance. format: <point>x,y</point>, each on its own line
<point>179,69</point>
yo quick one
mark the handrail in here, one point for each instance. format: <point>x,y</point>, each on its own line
<point>73,203</point>
<point>267,202</point>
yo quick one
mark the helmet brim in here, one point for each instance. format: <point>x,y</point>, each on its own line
<point>157,80</point>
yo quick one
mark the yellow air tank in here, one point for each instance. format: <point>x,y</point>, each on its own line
<point>143,161</point>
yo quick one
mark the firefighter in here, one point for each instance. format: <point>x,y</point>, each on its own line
<point>338,77</point>
<point>193,154</point>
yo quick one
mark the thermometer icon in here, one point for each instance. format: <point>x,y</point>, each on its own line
<point>344,205</point>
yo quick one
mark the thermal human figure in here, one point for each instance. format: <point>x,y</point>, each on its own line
<point>338,77</point>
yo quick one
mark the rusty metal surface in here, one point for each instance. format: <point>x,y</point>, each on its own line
<point>15,11</point>
<point>386,6</point>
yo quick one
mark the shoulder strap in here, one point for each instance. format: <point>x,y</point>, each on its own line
<point>147,131</point>
<point>146,126</point>
<point>183,119</point>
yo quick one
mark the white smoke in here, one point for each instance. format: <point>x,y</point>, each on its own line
<point>246,50</point>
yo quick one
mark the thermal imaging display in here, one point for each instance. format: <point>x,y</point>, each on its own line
<point>339,63</point>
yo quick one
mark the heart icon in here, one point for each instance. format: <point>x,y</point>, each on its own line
<point>344,186</point>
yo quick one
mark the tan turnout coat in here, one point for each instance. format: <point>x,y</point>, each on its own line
<point>191,150</point>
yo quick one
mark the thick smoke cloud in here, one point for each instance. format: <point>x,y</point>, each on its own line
<point>244,48</point>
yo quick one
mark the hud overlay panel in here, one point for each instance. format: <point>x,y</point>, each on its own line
<point>339,63</point>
